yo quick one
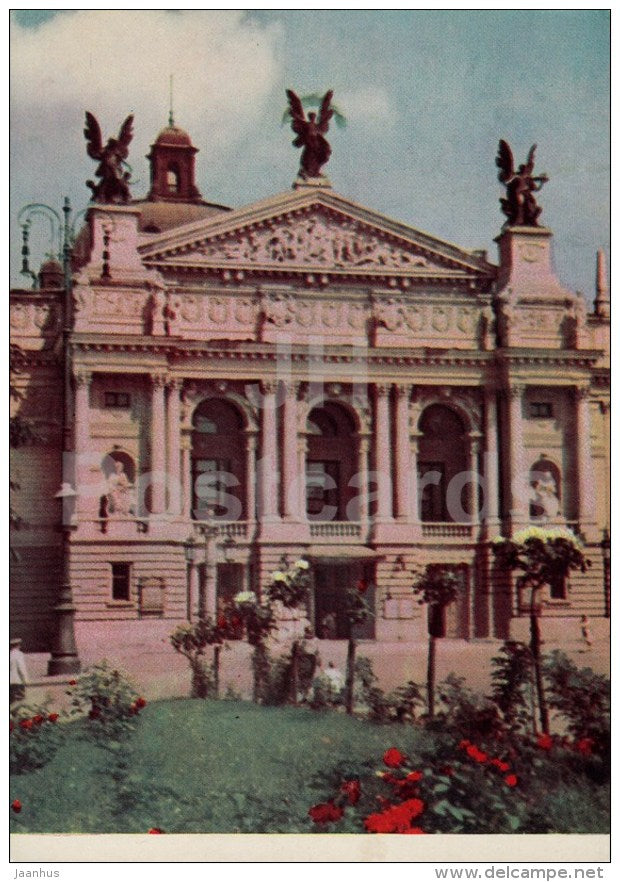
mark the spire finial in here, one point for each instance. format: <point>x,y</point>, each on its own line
<point>170,115</point>
<point>601,301</point>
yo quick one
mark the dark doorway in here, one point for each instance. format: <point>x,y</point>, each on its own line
<point>330,583</point>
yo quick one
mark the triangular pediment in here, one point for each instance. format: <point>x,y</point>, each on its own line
<point>315,230</point>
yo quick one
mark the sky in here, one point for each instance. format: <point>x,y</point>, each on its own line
<point>426,94</point>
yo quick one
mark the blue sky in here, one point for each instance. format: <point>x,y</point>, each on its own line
<point>427,95</point>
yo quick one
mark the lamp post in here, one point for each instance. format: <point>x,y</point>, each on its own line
<point>190,548</point>
<point>64,654</point>
<point>64,658</point>
<point>208,589</point>
<point>606,547</point>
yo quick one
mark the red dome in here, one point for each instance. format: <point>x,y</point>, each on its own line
<point>172,135</point>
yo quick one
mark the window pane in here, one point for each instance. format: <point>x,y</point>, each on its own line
<point>121,581</point>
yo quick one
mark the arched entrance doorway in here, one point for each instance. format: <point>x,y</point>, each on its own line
<point>331,462</point>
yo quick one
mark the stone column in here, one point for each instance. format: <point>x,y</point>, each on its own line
<point>186,473</point>
<point>403,454</point>
<point>585,476</point>
<point>474,467</point>
<point>413,483</point>
<point>82,436</point>
<point>209,601</point>
<point>364,445</point>
<point>383,454</point>
<point>158,444</point>
<point>302,456</point>
<point>268,478</point>
<point>174,448</point>
<point>250,476</point>
<point>290,459</point>
<point>491,464</point>
<point>519,513</point>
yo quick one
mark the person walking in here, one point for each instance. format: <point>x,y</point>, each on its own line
<point>585,632</point>
<point>18,672</point>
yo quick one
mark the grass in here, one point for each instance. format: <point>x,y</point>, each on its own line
<point>196,766</point>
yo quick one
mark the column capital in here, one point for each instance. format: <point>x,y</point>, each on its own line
<point>582,392</point>
<point>292,388</point>
<point>383,389</point>
<point>403,390</point>
<point>269,387</point>
<point>515,390</point>
<point>158,379</point>
<point>82,377</point>
<point>174,384</point>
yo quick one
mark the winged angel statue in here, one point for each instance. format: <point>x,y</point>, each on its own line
<point>520,206</point>
<point>316,151</point>
<point>113,185</point>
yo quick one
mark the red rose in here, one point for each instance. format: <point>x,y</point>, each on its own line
<point>414,776</point>
<point>221,622</point>
<point>351,790</point>
<point>447,770</point>
<point>140,702</point>
<point>324,812</point>
<point>478,755</point>
<point>16,806</point>
<point>499,764</point>
<point>545,742</point>
<point>414,830</point>
<point>379,823</point>
<point>464,744</point>
<point>155,830</point>
<point>511,780</point>
<point>362,586</point>
<point>413,807</point>
<point>52,718</point>
<point>72,682</point>
<point>26,724</point>
<point>393,758</point>
<point>94,714</point>
<point>585,745</point>
<point>37,720</point>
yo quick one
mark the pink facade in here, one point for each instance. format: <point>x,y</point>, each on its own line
<point>309,377</point>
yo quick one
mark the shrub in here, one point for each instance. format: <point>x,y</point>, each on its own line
<point>512,680</point>
<point>35,735</point>
<point>107,699</point>
<point>397,706</point>
<point>583,699</point>
<point>191,641</point>
<point>466,713</point>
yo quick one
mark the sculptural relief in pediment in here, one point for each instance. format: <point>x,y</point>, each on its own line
<point>315,240</point>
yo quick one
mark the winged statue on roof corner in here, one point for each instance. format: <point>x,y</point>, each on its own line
<point>310,134</point>
<point>113,171</point>
<point>519,206</point>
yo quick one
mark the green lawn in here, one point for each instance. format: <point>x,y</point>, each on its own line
<point>196,766</point>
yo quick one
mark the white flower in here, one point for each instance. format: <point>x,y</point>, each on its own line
<point>302,564</point>
<point>278,576</point>
<point>546,534</point>
<point>245,597</point>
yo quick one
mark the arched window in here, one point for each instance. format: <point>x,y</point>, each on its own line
<point>331,463</point>
<point>442,456</point>
<point>218,462</point>
<point>172,178</point>
<point>545,490</point>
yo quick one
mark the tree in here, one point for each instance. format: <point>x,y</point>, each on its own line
<point>545,556</point>
<point>291,588</point>
<point>356,610</point>
<point>191,641</point>
<point>437,587</point>
<point>259,621</point>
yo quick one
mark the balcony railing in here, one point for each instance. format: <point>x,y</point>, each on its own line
<point>446,530</point>
<point>335,530</point>
<point>227,529</point>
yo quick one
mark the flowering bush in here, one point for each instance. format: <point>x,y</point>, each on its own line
<point>258,618</point>
<point>291,587</point>
<point>108,700</point>
<point>34,737</point>
<point>192,640</point>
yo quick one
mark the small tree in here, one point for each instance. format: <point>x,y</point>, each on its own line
<point>357,611</point>
<point>191,641</point>
<point>437,587</point>
<point>291,588</point>
<point>259,621</point>
<point>545,556</point>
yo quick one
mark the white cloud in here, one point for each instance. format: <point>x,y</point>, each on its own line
<point>117,62</point>
<point>370,105</point>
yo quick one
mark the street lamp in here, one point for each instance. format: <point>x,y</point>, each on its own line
<point>208,588</point>
<point>228,547</point>
<point>64,658</point>
<point>606,548</point>
<point>190,547</point>
<point>64,654</point>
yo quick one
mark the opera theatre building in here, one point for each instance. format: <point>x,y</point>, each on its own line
<point>217,392</point>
